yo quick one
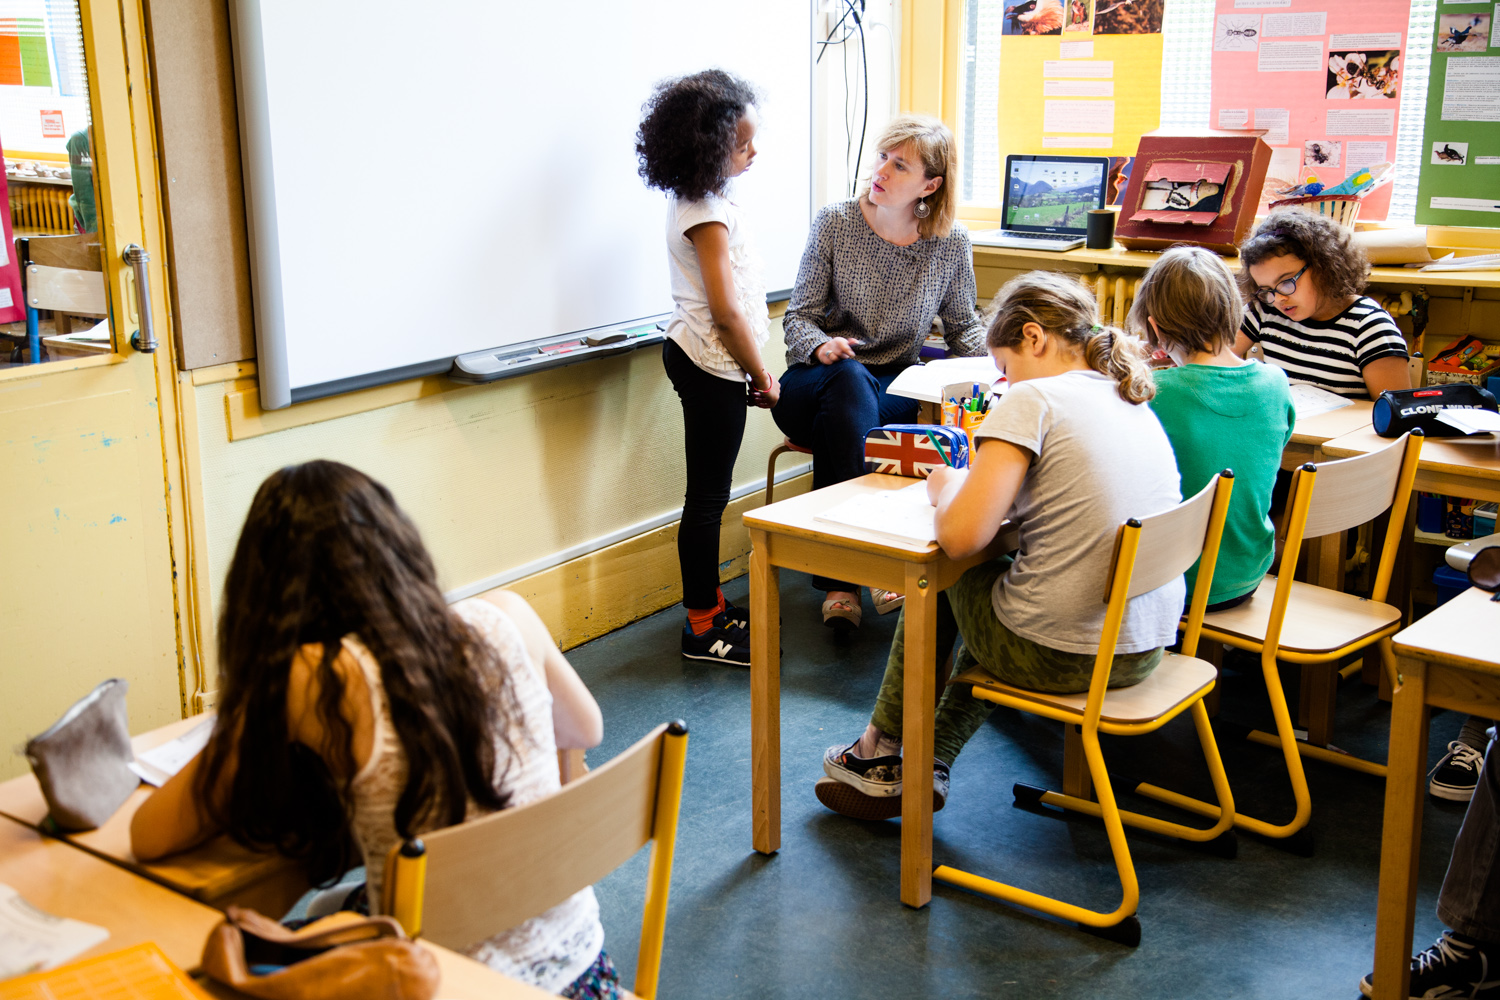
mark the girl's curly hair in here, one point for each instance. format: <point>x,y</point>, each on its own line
<point>1338,263</point>
<point>688,130</point>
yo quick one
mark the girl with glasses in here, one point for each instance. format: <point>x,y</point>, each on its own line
<point>1302,279</point>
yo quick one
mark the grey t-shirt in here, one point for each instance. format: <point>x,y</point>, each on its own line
<point>1096,461</point>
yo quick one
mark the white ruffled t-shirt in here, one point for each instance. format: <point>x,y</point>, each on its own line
<point>692,324</point>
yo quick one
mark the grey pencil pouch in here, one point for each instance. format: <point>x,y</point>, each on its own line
<point>82,761</point>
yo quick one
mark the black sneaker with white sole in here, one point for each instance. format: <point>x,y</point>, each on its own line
<point>731,615</point>
<point>1455,966</point>
<point>720,644</point>
<point>1457,773</point>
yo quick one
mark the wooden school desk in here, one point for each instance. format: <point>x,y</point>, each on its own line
<point>57,877</point>
<point>218,873</point>
<point>1449,659</point>
<point>1461,470</point>
<point>786,534</point>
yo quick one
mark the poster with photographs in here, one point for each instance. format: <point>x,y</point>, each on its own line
<point>1128,17</point>
<point>1033,17</point>
<point>1322,79</point>
<point>1236,32</point>
<point>1459,178</point>
<point>1463,32</point>
<point>1364,75</point>
<point>1323,153</point>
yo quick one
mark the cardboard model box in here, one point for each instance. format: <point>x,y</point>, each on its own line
<point>1200,188</point>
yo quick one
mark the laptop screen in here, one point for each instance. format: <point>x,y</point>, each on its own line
<point>1053,194</point>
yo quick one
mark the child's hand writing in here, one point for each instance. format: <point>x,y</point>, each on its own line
<point>835,349</point>
<point>940,480</point>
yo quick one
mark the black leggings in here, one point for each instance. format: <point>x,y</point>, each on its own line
<point>713,418</point>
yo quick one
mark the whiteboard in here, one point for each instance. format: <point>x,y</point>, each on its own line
<point>428,180</point>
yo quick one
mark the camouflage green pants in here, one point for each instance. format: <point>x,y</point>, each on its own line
<point>966,618</point>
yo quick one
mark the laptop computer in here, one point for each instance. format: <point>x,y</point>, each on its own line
<point>1047,202</point>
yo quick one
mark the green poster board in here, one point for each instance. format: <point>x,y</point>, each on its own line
<point>1460,180</point>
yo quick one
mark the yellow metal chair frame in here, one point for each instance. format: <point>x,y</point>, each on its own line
<point>1177,685</point>
<point>1335,513</point>
<point>465,883</point>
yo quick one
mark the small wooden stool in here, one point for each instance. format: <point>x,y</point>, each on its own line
<point>776,452</point>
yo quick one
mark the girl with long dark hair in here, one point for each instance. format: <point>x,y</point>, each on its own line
<point>357,709</point>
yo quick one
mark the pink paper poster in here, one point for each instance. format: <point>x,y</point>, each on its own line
<point>1322,77</point>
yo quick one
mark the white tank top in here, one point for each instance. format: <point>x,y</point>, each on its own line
<point>548,951</point>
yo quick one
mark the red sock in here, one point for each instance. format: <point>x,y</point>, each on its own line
<point>702,621</point>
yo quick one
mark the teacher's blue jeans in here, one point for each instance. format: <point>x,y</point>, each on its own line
<point>830,409</point>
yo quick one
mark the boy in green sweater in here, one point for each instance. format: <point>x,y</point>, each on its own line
<point>1219,411</point>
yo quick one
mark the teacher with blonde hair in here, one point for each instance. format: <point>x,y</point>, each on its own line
<point>876,272</point>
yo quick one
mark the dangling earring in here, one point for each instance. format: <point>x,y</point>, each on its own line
<point>921,209</point>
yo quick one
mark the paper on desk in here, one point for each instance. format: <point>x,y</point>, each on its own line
<point>156,765</point>
<point>1470,421</point>
<point>926,382</point>
<point>1310,400</point>
<point>905,514</point>
<point>33,940</point>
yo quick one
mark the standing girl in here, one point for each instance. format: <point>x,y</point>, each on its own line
<point>357,710</point>
<point>697,133</point>
<point>1068,453</point>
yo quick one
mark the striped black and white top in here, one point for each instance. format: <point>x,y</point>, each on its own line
<point>1331,354</point>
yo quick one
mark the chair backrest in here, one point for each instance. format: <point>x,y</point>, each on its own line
<point>1337,496</point>
<point>65,273</point>
<point>1149,553</point>
<point>465,883</point>
<point>1170,542</point>
<point>1352,491</point>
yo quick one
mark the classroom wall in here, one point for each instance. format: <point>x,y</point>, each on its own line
<point>499,476</point>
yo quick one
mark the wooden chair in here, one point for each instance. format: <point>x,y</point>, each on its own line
<point>469,882</point>
<point>64,274</point>
<point>1301,623</point>
<point>785,446</point>
<point>1149,553</point>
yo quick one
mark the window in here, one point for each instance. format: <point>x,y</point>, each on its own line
<point>1187,37</point>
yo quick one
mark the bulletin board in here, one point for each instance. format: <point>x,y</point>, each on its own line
<point>1099,63</point>
<point>1322,77</point>
<point>1459,184</point>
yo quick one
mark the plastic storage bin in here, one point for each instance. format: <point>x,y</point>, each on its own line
<point>1449,583</point>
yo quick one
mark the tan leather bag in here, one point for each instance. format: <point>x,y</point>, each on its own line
<point>342,955</point>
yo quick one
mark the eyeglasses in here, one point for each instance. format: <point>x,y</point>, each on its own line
<point>1287,287</point>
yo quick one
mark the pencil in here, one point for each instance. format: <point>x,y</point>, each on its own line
<point>933,438</point>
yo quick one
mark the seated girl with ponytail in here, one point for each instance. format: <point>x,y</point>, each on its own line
<point>1068,453</point>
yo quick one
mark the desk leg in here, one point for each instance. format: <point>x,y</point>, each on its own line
<point>765,695</point>
<point>916,737</point>
<point>1401,837</point>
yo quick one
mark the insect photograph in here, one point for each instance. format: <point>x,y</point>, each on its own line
<point>1364,75</point>
<point>1236,33</point>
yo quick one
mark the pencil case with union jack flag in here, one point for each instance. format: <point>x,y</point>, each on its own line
<point>915,450</point>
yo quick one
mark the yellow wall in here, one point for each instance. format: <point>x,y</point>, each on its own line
<point>495,476</point>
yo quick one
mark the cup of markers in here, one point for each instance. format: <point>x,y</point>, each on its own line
<point>967,412</point>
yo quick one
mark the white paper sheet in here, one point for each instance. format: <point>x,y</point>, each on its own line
<point>1234,117</point>
<point>1358,155</point>
<point>1471,90</point>
<point>1299,25</point>
<point>1289,57</point>
<point>156,765</point>
<point>1075,50</point>
<point>1361,122</point>
<point>1276,122</point>
<point>1470,421</point>
<point>1090,69</point>
<point>926,382</point>
<point>1078,88</point>
<point>1078,116</point>
<point>905,514</point>
<point>1310,400</point>
<point>32,940</point>
<point>1377,40</point>
<point>1077,141</point>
